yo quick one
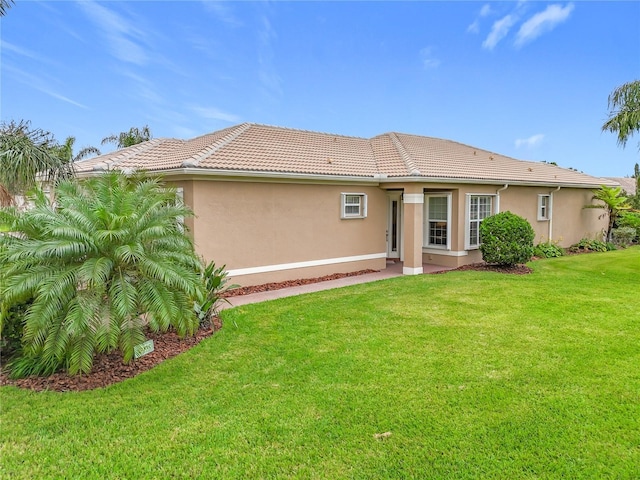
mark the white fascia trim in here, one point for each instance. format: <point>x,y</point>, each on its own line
<point>412,271</point>
<point>236,174</point>
<point>312,263</point>
<point>497,182</point>
<point>446,253</point>
<point>413,198</point>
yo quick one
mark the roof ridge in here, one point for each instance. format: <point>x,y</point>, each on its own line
<point>195,159</point>
<point>302,130</point>
<point>411,166</point>
<point>127,153</point>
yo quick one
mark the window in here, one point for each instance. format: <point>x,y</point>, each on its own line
<point>479,207</point>
<point>544,207</point>
<point>437,219</point>
<point>354,205</point>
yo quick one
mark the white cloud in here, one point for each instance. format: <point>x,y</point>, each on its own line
<point>213,113</point>
<point>123,38</point>
<point>222,12</point>
<point>499,30</point>
<point>530,142</point>
<point>475,26</point>
<point>543,22</point>
<point>41,84</point>
<point>428,60</point>
<point>267,72</point>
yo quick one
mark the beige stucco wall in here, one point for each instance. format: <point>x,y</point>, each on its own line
<point>263,224</point>
<point>570,221</point>
<point>249,224</point>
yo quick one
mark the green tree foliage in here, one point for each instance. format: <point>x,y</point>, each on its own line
<point>65,151</point>
<point>109,260</point>
<point>624,111</point>
<point>27,154</point>
<point>613,201</point>
<point>506,239</point>
<point>129,138</point>
<point>4,6</point>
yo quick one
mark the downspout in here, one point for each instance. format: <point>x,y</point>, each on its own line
<point>506,185</point>
<point>551,212</point>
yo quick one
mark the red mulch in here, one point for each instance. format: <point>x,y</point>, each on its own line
<point>108,368</point>
<point>290,283</point>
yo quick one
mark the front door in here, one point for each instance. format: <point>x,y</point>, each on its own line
<point>394,225</point>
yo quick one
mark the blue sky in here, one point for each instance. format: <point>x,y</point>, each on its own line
<point>524,79</point>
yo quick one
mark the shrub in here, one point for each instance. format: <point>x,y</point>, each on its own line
<point>548,250</point>
<point>106,262</point>
<point>587,245</point>
<point>215,282</point>
<point>623,235</point>
<point>506,239</point>
<point>632,220</point>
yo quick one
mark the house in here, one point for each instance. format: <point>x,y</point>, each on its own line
<point>277,204</point>
<point>628,184</point>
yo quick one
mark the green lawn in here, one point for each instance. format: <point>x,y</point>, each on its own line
<point>476,375</point>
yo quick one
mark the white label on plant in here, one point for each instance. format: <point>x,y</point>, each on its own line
<point>143,349</point>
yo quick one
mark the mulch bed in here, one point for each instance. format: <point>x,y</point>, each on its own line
<point>109,369</point>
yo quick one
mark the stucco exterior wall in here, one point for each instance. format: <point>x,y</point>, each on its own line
<point>570,221</point>
<point>269,232</point>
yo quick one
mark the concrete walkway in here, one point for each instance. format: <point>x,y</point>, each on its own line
<point>392,270</point>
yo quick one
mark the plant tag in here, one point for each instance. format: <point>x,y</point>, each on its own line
<point>142,349</point>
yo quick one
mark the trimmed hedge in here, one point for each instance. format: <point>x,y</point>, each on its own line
<point>506,239</point>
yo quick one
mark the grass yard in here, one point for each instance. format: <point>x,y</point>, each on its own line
<point>474,374</point>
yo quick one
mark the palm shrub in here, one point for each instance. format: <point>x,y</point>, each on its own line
<point>216,284</point>
<point>506,239</point>
<point>104,263</point>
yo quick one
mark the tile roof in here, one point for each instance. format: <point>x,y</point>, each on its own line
<point>260,149</point>
<point>628,184</point>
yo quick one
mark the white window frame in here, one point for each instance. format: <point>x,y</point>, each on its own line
<point>362,205</point>
<point>544,210</point>
<point>467,220</point>
<point>425,236</point>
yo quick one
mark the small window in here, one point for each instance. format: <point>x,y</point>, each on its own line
<point>544,207</point>
<point>354,205</point>
<point>479,207</point>
<point>437,221</point>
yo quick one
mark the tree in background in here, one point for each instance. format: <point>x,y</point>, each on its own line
<point>27,154</point>
<point>613,201</point>
<point>624,112</point>
<point>65,151</point>
<point>4,6</point>
<point>129,138</point>
<point>108,261</point>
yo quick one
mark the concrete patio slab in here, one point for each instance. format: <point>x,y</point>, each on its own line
<point>392,270</point>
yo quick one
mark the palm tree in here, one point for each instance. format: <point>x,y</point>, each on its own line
<point>4,6</point>
<point>129,138</point>
<point>66,151</point>
<point>25,155</point>
<point>624,111</point>
<point>108,261</point>
<point>613,202</point>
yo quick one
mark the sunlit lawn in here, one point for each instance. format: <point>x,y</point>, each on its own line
<point>475,375</point>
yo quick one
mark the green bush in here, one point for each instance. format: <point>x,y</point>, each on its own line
<point>107,262</point>
<point>548,250</point>
<point>623,235</point>
<point>587,245</point>
<point>631,220</point>
<point>11,330</point>
<point>506,239</point>
<point>215,281</point>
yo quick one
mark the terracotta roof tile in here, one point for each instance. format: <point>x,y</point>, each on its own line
<point>257,148</point>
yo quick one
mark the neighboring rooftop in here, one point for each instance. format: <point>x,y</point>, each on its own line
<point>628,184</point>
<point>261,149</point>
